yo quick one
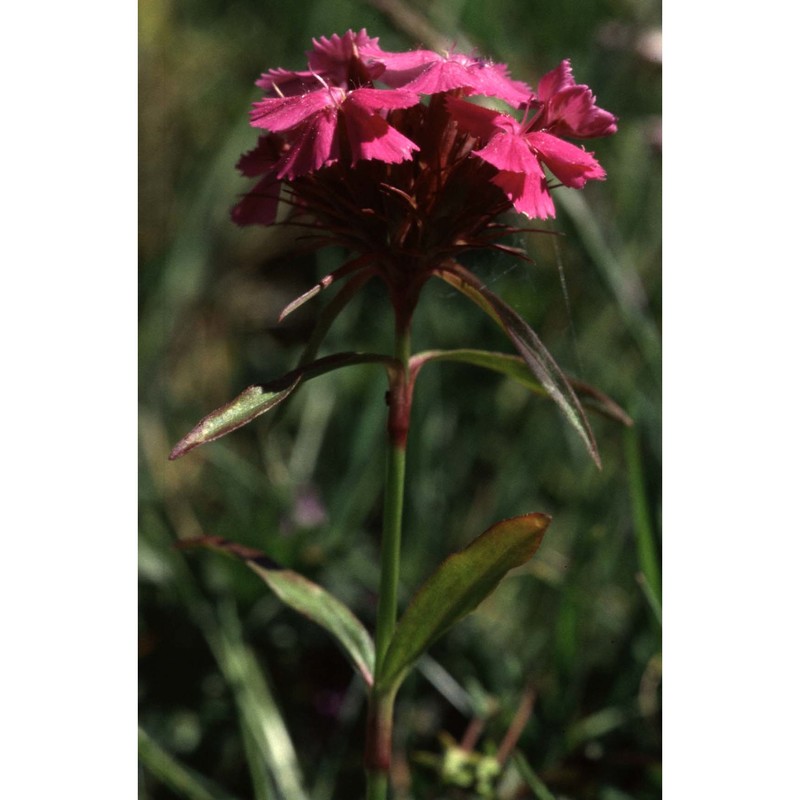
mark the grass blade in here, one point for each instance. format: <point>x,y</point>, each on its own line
<point>259,712</point>
<point>533,781</point>
<point>178,777</point>
<point>646,545</point>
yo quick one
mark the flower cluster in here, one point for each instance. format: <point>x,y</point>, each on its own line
<point>384,153</point>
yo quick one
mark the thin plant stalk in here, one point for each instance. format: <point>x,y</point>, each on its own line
<point>377,785</point>
<point>379,725</point>
<point>390,551</point>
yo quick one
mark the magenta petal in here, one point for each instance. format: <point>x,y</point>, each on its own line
<point>283,83</point>
<point>476,120</point>
<point>400,68</point>
<point>555,81</point>
<point>260,205</point>
<point>573,112</point>
<point>371,137</point>
<point>509,152</point>
<point>262,158</point>
<point>569,109</point>
<point>442,76</point>
<point>426,72</point>
<point>283,113</point>
<point>333,58</point>
<point>519,175</point>
<point>311,146</point>
<point>572,165</point>
<point>492,80</point>
<point>527,192</point>
<point>328,53</point>
<point>372,100</point>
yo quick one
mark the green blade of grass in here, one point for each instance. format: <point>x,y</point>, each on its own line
<point>259,711</point>
<point>270,755</point>
<point>621,277</point>
<point>643,530</point>
<point>532,780</point>
<point>178,777</point>
<point>649,595</point>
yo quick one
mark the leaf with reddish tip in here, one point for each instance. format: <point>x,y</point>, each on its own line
<point>257,400</point>
<point>516,368</point>
<point>251,403</point>
<point>306,597</point>
<point>530,347</point>
<point>601,402</point>
<point>459,584</point>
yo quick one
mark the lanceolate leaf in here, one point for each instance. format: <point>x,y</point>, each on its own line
<point>304,596</point>
<point>323,608</point>
<point>183,780</point>
<point>516,368</point>
<point>258,399</point>
<point>529,346</point>
<point>460,583</point>
<point>251,403</point>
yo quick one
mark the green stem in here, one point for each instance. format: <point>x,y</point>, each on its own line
<point>390,552</point>
<point>379,725</point>
<point>377,785</point>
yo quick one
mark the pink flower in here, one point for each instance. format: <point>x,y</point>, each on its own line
<point>342,145</point>
<point>334,57</point>
<point>337,61</point>
<point>518,152</point>
<point>569,109</point>
<point>426,72</point>
<point>311,121</point>
<point>398,69</point>
<point>285,83</point>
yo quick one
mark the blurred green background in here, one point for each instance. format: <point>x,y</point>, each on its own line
<point>240,697</point>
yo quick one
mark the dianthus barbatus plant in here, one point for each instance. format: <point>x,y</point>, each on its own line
<point>404,160</point>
